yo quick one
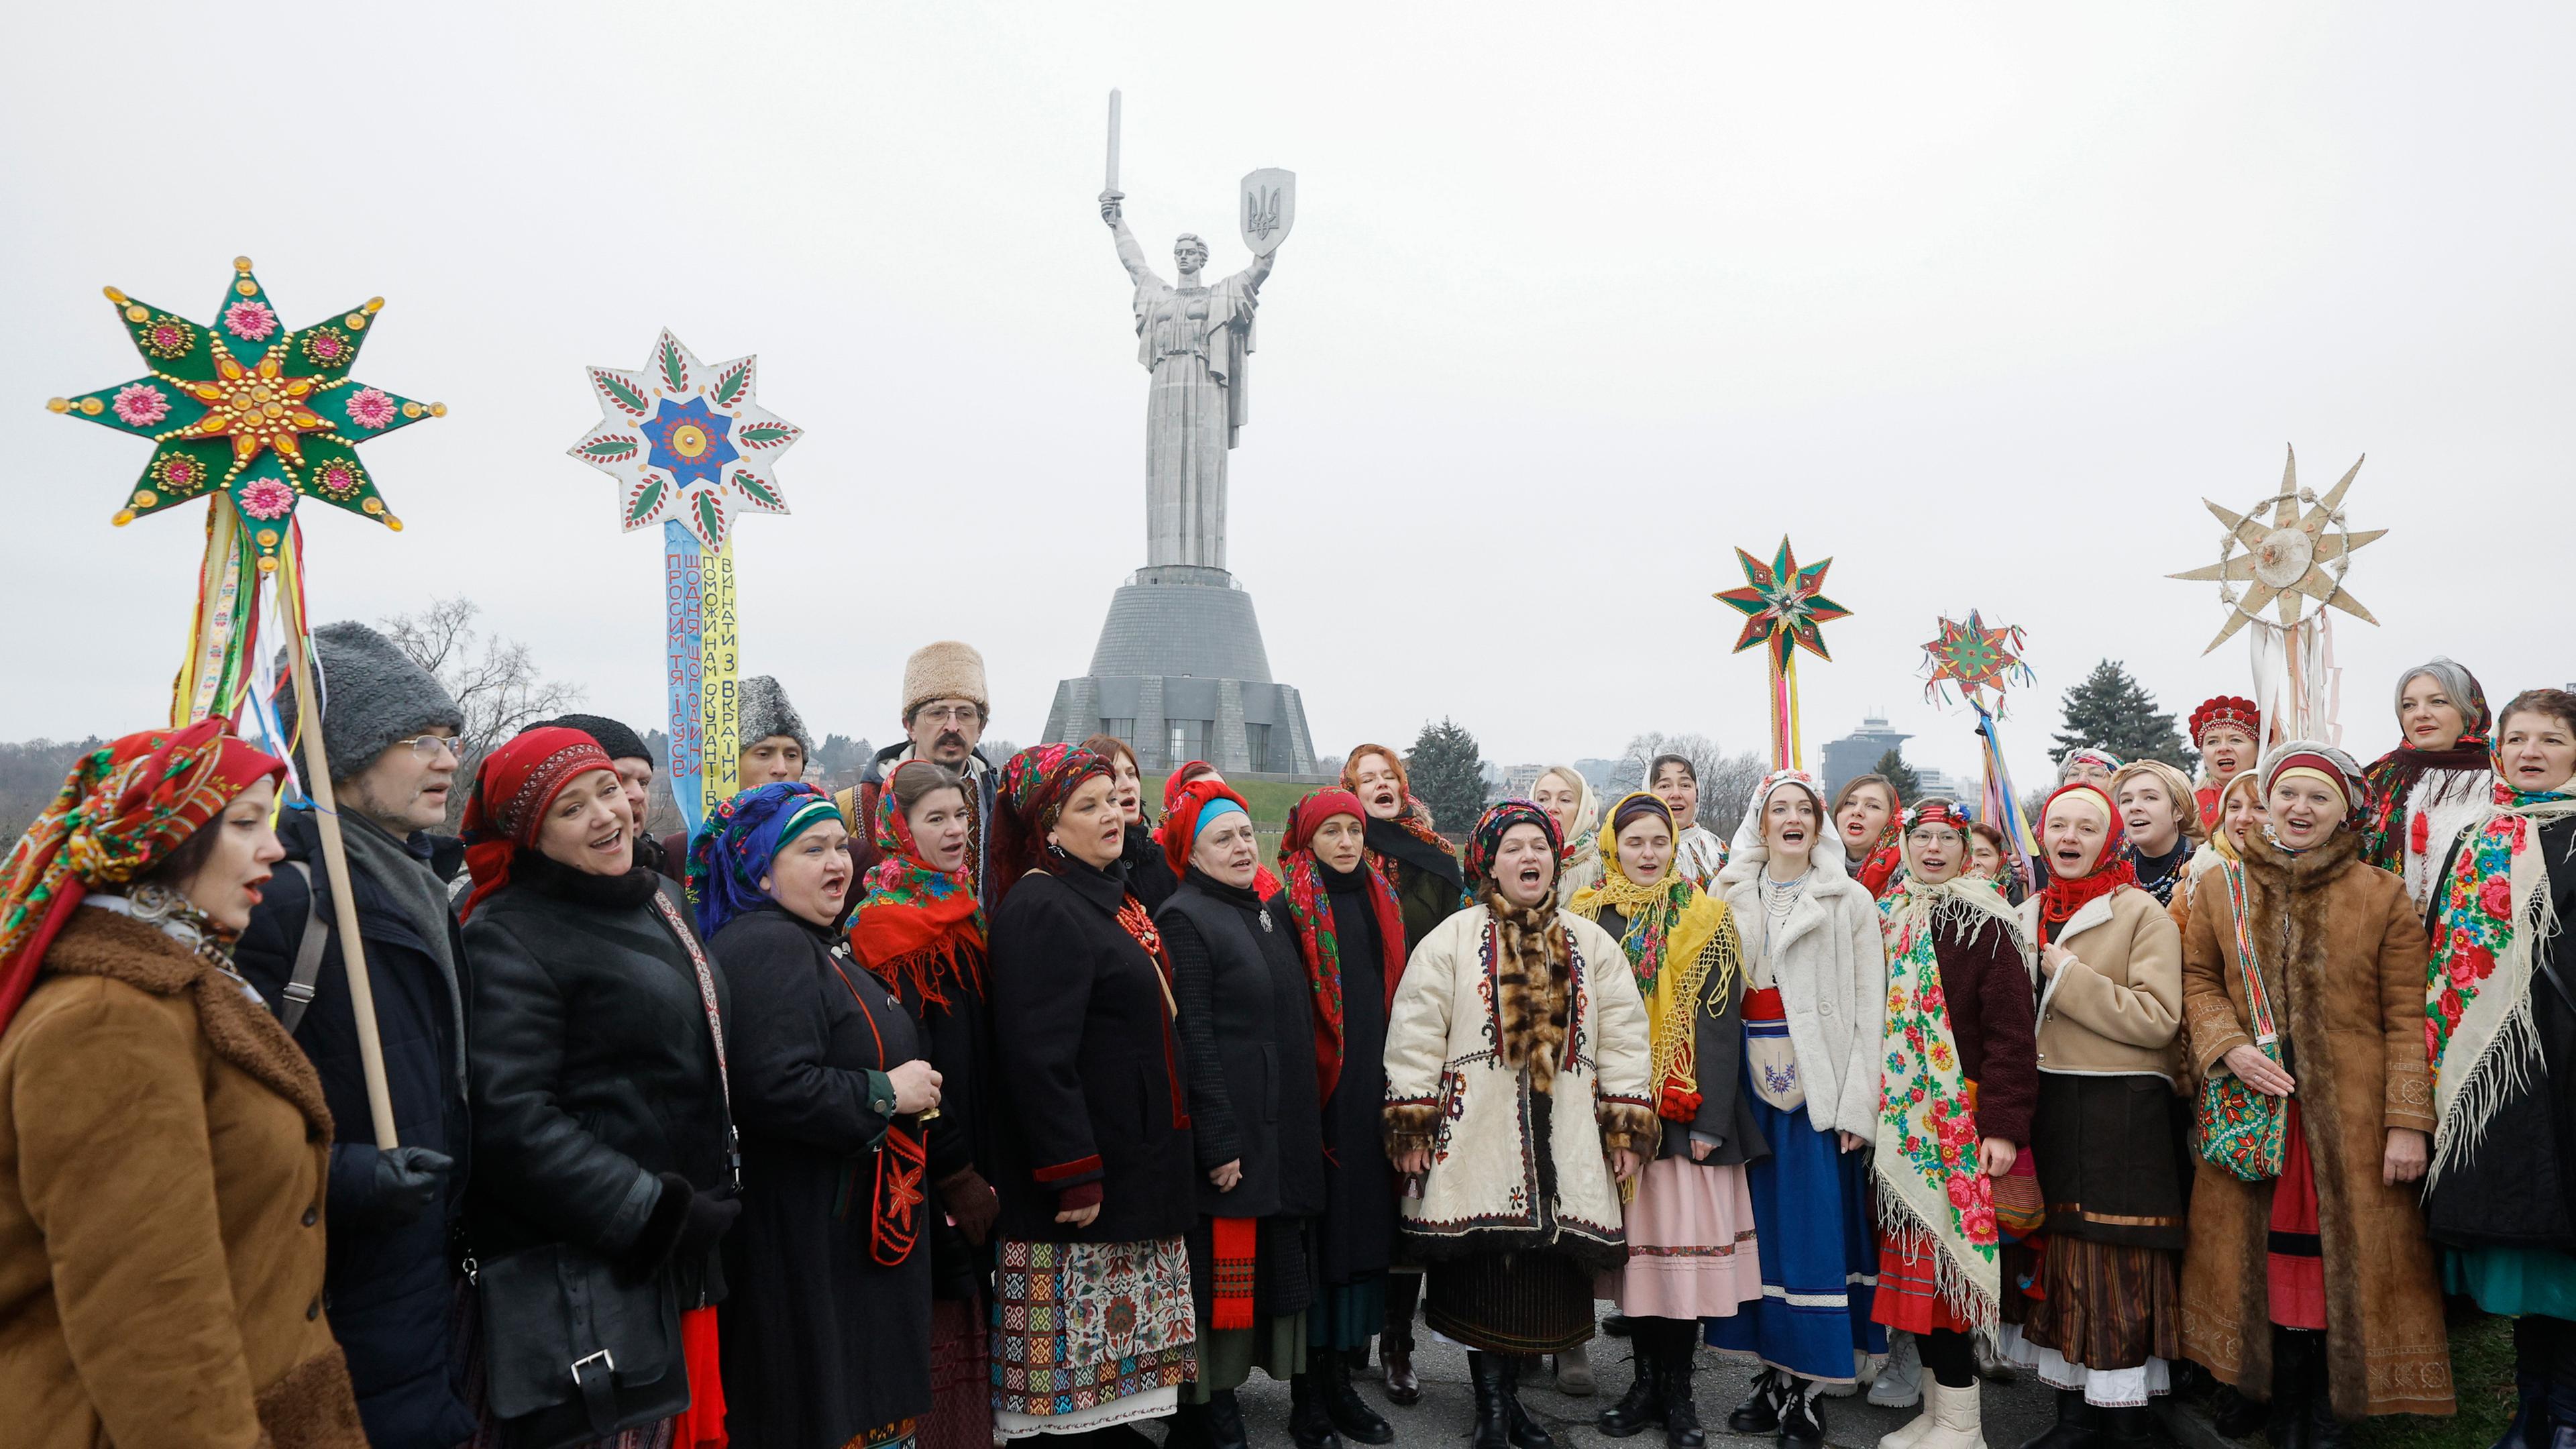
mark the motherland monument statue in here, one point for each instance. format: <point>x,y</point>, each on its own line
<point>1180,672</point>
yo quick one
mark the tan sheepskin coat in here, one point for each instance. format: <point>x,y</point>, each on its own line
<point>2347,991</point>
<point>1448,1089</point>
<point>163,1146</point>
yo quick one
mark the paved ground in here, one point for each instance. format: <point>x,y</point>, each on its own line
<point>2014,1412</point>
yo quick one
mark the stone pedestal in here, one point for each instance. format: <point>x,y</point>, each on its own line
<point>1181,675</point>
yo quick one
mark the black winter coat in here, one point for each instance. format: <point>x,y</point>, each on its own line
<point>822,1341</point>
<point>1089,1100</point>
<point>1429,885</point>
<point>1247,1027</point>
<point>2518,1188</point>
<point>391,1281</point>
<point>593,1070</point>
<point>1352,1242</point>
<point>1149,875</point>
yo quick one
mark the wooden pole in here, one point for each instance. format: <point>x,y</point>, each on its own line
<point>335,862</point>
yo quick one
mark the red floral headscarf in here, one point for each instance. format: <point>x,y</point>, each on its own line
<point>513,788</point>
<point>1030,793</point>
<point>2061,898</point>
<point>121,811</point>
<point>918,925</point>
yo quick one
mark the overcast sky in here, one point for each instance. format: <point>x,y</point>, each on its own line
<point>1979,301</point>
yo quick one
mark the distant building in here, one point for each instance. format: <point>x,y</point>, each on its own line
<point>1857,753</point>
<point>1520,780</point>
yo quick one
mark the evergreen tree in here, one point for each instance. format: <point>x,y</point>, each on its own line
<point>1900,774</point>
<point>2111,709</point>
<point>1448,775</point>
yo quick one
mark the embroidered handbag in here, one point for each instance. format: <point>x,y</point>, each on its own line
<point>2237,1128</point>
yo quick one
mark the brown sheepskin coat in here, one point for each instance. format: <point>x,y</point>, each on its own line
<point>2348,993</point>
<point>162,1151</point>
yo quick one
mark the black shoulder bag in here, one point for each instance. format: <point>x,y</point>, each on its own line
<point>558,1322</point>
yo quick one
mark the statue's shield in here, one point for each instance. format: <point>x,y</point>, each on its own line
<point>1269,208</point>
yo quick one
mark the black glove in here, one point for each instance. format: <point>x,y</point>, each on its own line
<point>406,1181</point>
<point>684,1223</point>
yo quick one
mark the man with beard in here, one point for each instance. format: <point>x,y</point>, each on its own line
<point>945,709</point>
<point>389,735</point>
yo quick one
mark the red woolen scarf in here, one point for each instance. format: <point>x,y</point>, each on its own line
<point>1311,904</point>
<point>2061,898</point>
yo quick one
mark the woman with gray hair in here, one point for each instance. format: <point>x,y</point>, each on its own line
<point>2435,783</point>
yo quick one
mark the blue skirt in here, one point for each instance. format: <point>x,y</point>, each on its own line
<point>1818,1245</point>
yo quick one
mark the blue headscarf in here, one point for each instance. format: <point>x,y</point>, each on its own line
<point>732,851</point>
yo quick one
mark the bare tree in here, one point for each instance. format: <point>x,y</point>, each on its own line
<point>495,681</point>
<point>1725,782</point>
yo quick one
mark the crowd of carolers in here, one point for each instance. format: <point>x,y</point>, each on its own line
<point>974,1104</point>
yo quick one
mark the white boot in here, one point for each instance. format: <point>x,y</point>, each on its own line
<point>1911,1436</point>
<point>1899,1384</point>
<point>1958,1417</point>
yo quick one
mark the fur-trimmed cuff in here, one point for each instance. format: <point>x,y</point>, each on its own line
<point>2409,1098</point>
<point>311,1406</point>
<point>2214,1031</point>
<point>1410,1127</point>
<point>1629,1126</point>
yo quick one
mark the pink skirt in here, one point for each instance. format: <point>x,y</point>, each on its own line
<point>1691,1252</point>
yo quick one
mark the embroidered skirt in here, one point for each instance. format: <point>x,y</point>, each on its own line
<point>1692,1251</point>
<point>1818,1247</point>
<point>1086,1335</point>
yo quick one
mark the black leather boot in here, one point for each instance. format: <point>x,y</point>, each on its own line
<point>1642,1406</point>
<point>2077,1426</point>
<point>1760,1411</point>
<point>2128,1427</point>
<point>1395,1354</point>
<point>1526,1432</point>
<point>1802,1415</point>
<point>1351,1414</point>
<point>1225,1422</point>
<point>2325,1431</point>
<point>2236,1416</point>
<point>1681,1406</point>
<point>1310,1419</point>
<point>2530,1414</point>
<point>1493,1401</point>
<point>1189,1427</point>
<point>2288,1427</point>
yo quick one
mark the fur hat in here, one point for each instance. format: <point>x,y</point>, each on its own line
<point>619,741</point>
<point>944,670</point>
<point>763,710</point>
<point>372,695</point>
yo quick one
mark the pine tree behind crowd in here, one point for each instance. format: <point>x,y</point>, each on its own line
<point>2110,708</point>
<point>1448,774</point>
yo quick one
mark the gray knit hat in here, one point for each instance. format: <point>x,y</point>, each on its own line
<point>764,711</point>
<point>372,695</point>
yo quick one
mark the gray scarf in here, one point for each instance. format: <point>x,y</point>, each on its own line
<point>422,897</point>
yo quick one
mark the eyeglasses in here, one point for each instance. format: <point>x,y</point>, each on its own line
<point>430,747</point>
<point>954,714</point>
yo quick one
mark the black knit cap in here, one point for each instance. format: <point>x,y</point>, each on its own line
<point>617,740</point>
